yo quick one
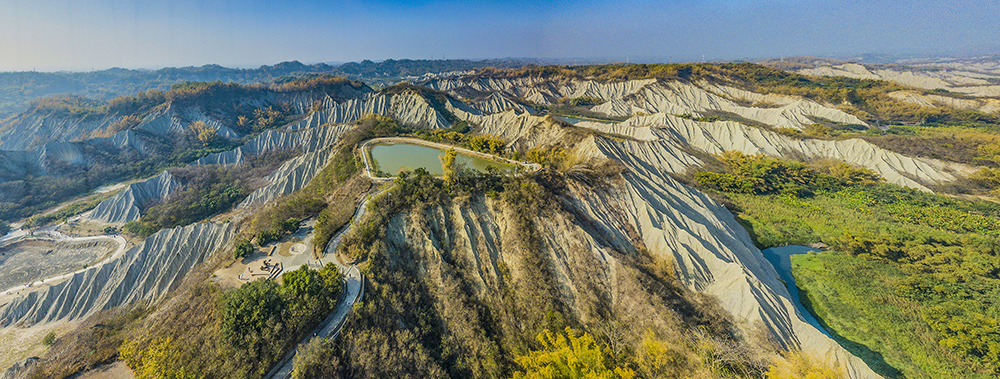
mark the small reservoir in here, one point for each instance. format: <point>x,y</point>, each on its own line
<point>393,159</point>
<point>576,120</point>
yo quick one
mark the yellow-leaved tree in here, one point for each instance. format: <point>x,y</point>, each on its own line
<point>449,166</point>
<point>205,134</point>
<point>568,356</point>
<point>156,361</point>
<point>799,365</point>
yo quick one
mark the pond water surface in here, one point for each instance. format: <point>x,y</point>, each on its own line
<point>576,120</point>
<point>781,258</point>
<point>393,159</point>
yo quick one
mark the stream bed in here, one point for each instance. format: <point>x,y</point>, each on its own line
<point>781,258</point>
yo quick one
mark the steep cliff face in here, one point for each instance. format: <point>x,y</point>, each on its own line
<point>408,108</point>
<point>715,137</point>
<point>315,143</point>
<point>129,204</point>
<point>958,77</point>
<point>34,129</point>
<point>714,254</point>
<point>626,98</point>
<point>145,272</point>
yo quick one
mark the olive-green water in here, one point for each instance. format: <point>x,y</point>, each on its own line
<point>393,159</point>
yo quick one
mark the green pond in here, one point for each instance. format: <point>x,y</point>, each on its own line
<point>577,120</point>
<point>393,159</point>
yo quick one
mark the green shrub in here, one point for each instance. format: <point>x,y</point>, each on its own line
<point>243,248</point>
<point>49,339</point>
<point>139,228</point>
<point>249,312</point>
<point>486,144</point>
<point>265,237</point>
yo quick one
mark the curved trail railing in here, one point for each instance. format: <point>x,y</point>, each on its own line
<point>353,292</point>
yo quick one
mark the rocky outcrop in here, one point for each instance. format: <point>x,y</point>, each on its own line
<point>931,100</point>
<point>715,137</point>
<point>33,129</point>
<point>408,108</point>
<point>145,272</point>
<point>715,255</point>
<point>20,369</point>
<point>130,203</point>
<point>290,177</point>
<point>956,77</point>
<point>305,140</point>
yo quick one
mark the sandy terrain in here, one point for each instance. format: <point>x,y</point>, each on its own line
<point>117,370</point>
<point>20,343</point>
<point>31,260</point>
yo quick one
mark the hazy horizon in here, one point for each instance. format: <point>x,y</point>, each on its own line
<point>97,35</point>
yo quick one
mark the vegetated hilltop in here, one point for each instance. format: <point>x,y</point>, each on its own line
<point>19,89</point>
<point>973,77</point>
<point>616,238</point>
<point>72,145</point>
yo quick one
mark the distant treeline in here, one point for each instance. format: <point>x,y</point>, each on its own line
<point>19,89</point>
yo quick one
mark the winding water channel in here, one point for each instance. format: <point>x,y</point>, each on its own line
<point>781,258</point>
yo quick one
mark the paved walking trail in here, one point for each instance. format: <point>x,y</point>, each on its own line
<point>330,327</point>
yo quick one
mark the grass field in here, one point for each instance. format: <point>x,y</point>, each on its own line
<point>910,284</point>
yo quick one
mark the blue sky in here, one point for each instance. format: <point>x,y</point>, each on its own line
<point>87,34</point>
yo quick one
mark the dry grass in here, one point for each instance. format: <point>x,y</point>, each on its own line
<point>21,343</point>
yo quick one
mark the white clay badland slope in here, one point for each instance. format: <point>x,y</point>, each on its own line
<point>623,99</point>
<point>986,105</point>
<point>714,254</point>
<point>33,141</point>
<point>408,108</point>
<point>665,100</point>
<point>145,272</point>
<point>34,128</point>
<point>314,143</point>
<point>955,79</point>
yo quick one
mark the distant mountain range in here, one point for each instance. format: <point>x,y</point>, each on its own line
<point>18,89</point>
